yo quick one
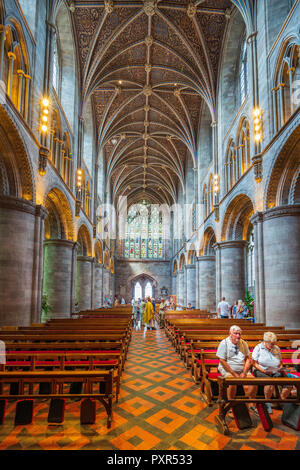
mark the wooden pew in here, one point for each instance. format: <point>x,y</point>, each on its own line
<point>203,360</point>
<point>27,380</point>
<point>225,404</point>
<point>40,360</point>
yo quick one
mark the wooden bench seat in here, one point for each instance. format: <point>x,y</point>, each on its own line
<point>27,380</point>
<point>225,404</point>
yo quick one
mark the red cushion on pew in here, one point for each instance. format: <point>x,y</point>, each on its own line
<point>67,351</point>
<point>18,363</point>
<point>214,375</point>
<point>291,361</point>
<point>209,361</point>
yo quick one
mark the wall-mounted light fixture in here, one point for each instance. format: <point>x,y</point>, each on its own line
<point>258,125</point>
<point>216,183</point>
<point>45,115</point>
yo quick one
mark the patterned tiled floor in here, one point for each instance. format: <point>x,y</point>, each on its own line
<point>159,409</point>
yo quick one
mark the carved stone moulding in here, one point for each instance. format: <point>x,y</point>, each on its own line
<point>22,205</point>
<point>257,162</point>
<point>147,90</point>
<point>191,10</point>
<point>109,6</point>
<point>150,7</point>
<point>43,159</point>
<point>148,40</point>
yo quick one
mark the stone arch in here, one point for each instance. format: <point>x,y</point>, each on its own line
<point>229,71</point>
<point>191,255</point>
<point>98,252</point>
<point>112,266</point>
<point>282,182</point>
<point>143,279</point>
<point>237,218</point>
<point>207,243</point>
<point>106,260</point>
<point>59,223</point>
<point>84,241</point>
<point>16,175</point>
<point>175,267</point>
<point>182,261</point>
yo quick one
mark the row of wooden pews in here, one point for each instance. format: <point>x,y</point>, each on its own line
<point>197,340</point>
<point>79,358</point>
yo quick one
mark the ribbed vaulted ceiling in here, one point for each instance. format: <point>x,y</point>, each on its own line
<point>149,67</point>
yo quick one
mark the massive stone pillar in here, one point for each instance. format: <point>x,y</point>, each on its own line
<point>230,270</point>
<point>191,285</point>
<point>84,282</point>
<point>197,283</point>
<point>180,293</point>
<point>21,261</point>
<point>177,287</point>
<point>98,286</point>
<point>174,279</point>
<point>106,283</point>
<point>58,276</point>
<point>207,283</point>
<point>280,245</point>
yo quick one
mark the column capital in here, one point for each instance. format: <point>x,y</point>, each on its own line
<point>88,259</point>
<point>11,55</point>
<point>22,205</point>
<point>59,242</point>
<point>275,212</point>
<point>190,266</point>
<point>230,244</point>
<point>206,258</point>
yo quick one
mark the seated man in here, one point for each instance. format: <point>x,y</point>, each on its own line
<point>234,356</point>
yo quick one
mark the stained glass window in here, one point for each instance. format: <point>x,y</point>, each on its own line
<point>144,232</point>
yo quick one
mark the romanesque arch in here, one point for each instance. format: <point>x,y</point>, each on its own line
<point>207,243</point>
<point>15,167</point>
<point>84,241</point>
<point>59,223</point>
<point>237,218</point>
<point>283,186</point>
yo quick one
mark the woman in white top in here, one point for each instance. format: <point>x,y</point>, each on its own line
<point>266,359</point>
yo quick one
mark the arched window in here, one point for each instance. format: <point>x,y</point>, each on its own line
<point>204,202</point>
<point>144,232</point>
<point>210,204</point>
<point>137,291</point>
<point>243,155</point>
<point>149,290</point>
<point>55,76</point>
<point>67,164</point>
<point>285,91</point>
<point>230,166</point>
<point>243,72</point>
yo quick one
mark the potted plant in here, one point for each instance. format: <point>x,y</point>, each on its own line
<point>46,309</point>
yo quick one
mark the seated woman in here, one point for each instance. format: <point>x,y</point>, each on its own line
<point>266,360</point>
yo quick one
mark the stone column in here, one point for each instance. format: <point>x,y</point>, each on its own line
<point>57,279</point>
<point>185,285</point>
<point>281,255</point>
<point>21,75</point>
<point>21,261</point>
<point>98,285</point>
<point>12,58</point>
<point>2,41</point>
<point>197,284</point>
<point>191,285</point>
<point>230,270</point>
<point>207,283</point>
<point>260,311</point>
<point>106,286</point>
<point>84,282</point>
<point>180,293</point>
<point>26,99</point>
<point>177,287</point>
<point>174,278</point>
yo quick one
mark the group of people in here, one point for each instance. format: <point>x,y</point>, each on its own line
<point>143,311</point>
<point>235,361</point>
<point>238,310</point>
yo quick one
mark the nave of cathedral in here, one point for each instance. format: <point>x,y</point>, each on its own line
<point>149,148</point>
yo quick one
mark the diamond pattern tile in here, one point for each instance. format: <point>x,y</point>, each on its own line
<point>159,408</point>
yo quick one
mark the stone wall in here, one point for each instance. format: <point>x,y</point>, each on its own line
<point>127,271</point>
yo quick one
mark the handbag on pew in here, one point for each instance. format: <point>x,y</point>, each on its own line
<point>24,412</point>
<point>291,416</point>
<point>3,403</point>
<point>241,416</point>
<point>88,411</point>
<point>264,416</point>
<point>56,413</point>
